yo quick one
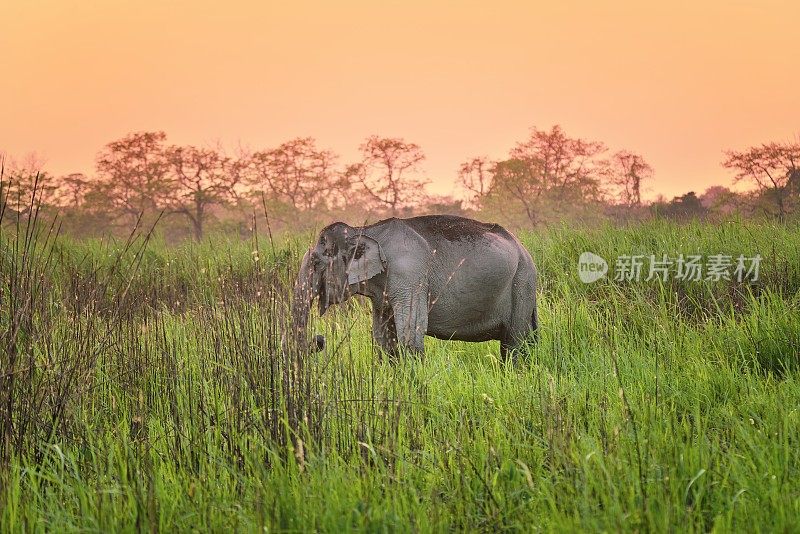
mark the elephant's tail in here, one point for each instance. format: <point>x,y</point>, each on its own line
<point>535,320</point>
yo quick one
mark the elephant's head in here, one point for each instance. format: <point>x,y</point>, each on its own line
<point>332,269</point>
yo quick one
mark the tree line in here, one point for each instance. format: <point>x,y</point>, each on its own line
<point>548,177</point>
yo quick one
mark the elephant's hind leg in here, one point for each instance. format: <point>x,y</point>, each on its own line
<point>504,351</point>
<point>512,345</point>
<point>522,326</point>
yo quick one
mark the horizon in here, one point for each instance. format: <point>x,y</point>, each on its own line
<point>677,84</point>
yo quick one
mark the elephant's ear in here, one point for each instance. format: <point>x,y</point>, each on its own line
<point>366,259</point>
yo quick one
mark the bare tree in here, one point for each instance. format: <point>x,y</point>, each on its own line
<point>566,165</point>
<point>386,173</point>
<point>627,170</point>
<point>296,173</point>
<point>475,175</point>
<point>199,178</point>
<point>549,172</point>
<point>22,177</point>
<point>520,181</point>
<point>133,174</point>
<point>774,168</point>
<point>72,189</point>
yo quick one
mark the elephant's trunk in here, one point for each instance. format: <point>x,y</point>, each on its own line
<point>304,292</point>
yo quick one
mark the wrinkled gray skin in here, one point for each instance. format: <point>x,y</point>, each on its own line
<point>445,276</point>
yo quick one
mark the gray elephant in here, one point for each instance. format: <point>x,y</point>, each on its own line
<point>438,275</point>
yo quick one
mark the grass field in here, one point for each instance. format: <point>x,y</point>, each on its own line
<point>142,388</point>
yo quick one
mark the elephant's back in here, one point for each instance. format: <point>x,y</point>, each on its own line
<point>453,228</point>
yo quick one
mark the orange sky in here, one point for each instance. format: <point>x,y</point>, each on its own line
<point>678,82</point>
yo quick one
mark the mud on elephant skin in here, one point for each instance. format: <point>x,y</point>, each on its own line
<point>439,275</point>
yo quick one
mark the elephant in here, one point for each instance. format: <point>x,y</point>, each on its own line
<point>444,276</point>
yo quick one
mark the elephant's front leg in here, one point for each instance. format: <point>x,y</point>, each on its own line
<point>411,320</point>
<point>383,330</point>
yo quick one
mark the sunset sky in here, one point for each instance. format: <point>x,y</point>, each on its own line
<point>678,82</point>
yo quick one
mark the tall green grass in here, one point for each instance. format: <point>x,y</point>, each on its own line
<point>644,406</point>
